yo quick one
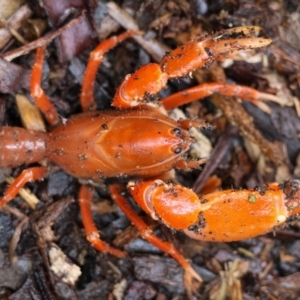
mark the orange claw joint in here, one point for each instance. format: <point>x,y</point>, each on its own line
<point>140,86</point>
<point>222,216</point>
<point>176,206</point>
<point>147,81</point>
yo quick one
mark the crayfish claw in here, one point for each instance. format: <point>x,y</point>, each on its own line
<point>244,30</point>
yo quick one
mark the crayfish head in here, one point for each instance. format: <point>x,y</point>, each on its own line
<point>182,140</point>
<point>140,142</point>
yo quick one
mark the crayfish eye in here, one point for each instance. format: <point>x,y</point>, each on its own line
<point>177,131</point>
<point>177,150</point>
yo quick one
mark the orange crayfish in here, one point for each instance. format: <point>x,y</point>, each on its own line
<point>138,142</point>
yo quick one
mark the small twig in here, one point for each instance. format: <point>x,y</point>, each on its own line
<point>13,211</point>
<point>15,239</point>
<point>13,24</point>
<point>216,156</point>
<point>41,41</point>
<point>18,230</point>
<point>156,49</point>
<point>17,35</point>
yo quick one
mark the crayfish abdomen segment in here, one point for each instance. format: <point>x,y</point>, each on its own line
<point>20,146</point>
<point>136,142</point>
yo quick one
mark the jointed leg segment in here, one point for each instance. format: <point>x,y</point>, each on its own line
<point>27,175</point>
<point>147,233</point>
<point>96,56</point>
<point>91,231</point>
<point>40,98</point>
<point>206,89</point>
